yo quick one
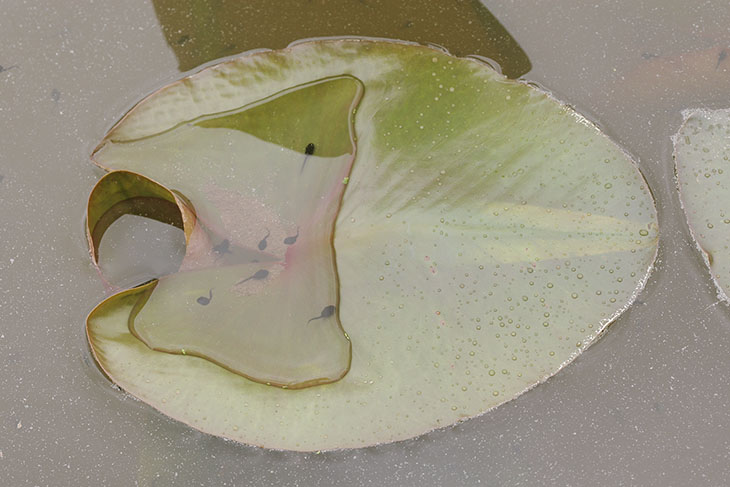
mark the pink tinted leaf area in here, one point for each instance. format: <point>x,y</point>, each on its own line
<point>257,190</point>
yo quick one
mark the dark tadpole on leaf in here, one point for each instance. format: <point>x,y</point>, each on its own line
<point>260,274</point>
<point>202,300</point>
<point>326,313</point>
<point>308,151</point>
<point>292,240</point>
<point>262,243</point>
<point>222,248</point>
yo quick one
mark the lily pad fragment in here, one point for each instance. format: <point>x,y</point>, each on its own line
<point>486,235</point>
<point>702,158</point>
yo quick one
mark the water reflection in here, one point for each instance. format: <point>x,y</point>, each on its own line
<point>199,31</point>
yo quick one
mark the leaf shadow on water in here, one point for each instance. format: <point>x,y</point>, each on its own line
<point>199,31</point>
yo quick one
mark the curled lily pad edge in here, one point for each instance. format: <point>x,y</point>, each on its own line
<point>189,222</point>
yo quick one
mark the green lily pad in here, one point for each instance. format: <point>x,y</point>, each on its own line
<point>701,154</point>
<point>485,236</point>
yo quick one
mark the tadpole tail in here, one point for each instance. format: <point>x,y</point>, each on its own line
<point>721,58</point>
<point>304,163</point>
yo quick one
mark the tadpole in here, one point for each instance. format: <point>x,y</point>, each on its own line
<point>262,243</point>
<point>202,300</point>
<point>291,240</point>
<point>223,247</point>
<point>326,313</point>
<point>308,151</point>
<point>258,275</point>
<point>721,58</point>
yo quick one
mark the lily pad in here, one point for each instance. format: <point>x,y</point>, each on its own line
<point>702,155</point>
<point>485,236</point>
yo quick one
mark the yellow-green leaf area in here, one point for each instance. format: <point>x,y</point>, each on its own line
<point>294,119</point>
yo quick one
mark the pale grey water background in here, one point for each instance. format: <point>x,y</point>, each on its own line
<point>649,404</point>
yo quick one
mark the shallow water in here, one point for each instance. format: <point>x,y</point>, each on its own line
<point>648,404</point>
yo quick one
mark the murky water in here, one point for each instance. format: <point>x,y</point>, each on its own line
<point>647,405</point>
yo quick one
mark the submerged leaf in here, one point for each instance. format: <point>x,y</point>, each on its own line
<point>486,236</point>
<point>701,153</point>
